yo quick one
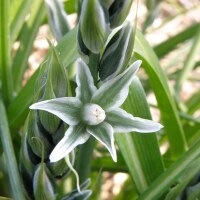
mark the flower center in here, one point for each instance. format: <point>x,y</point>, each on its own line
<point>93,114</point>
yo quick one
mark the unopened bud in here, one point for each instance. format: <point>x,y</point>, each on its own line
<point>118,12</point>
<point>43,187</point>
<point>94,25</point>
<point>117,53</point>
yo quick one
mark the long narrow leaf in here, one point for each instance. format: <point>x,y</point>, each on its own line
<point>26,39</point>
<point>140,151</point>
<point>171,175</point>
<point>18,12</point>
<point>5,57</point>
<point>189,61</point>
<point>16,185</point>
<point>164,98</point>
<point>168,45</point>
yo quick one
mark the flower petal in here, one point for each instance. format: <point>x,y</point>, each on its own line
<point>123,122</point>
<point>104,133</point>
<point>74,136</point>
<point>85,82</point>
<point>113,93</point>
<point>66,108</point>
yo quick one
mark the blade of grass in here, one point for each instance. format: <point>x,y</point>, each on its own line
<point>170,176</point>
<point>26,39</point>
<point>17,114</point>
<point>189,62</point>
<point>164,98</point>
<point>18,12</point>
<point>5,57</point>
<point>6,141</point>
<point>140,151</point>
<point>168,45</point>
<point>193,103</point>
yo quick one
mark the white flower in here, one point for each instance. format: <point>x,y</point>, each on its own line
<point>95,112</point>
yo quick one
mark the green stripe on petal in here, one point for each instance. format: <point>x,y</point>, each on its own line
<point>74,136</point>
<point>85,82</point>
<point>123,122</point>
<point>104,133</point>
<point>113,93</point>
<point>66,108</point>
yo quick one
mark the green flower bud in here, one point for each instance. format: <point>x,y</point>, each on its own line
<point>33,131</point>
<point>83,195</point>
<point>43,184</point>
<point>107,3</point>
<point>93,25</point>
<point>117,53</point>
<point>54,84</point>
<point>57,18</point>
<point>118,12</point>
<point>82,49</point>
<point>60,168</point>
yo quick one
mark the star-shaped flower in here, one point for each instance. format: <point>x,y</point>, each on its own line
<point>95,112</point>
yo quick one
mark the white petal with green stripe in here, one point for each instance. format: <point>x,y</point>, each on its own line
<point>123,122</point>
<point>66,108</point>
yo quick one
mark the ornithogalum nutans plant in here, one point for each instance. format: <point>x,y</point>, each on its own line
<point>95,112</point>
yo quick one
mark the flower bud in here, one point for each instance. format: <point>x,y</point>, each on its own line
<point>84,52</point>
<point>33,131</point>
<point>57,18</point>
<point>117,53</point>
<point>54,84</point>
<point>118,12</point>
<point>94,25</point>
<point>43,184</point>
<point>60,168</point>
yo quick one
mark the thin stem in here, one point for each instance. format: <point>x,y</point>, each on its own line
<point>74,171</point>
<point>13,173</point>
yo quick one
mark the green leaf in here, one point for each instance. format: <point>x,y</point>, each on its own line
<point>190,172</point>
<point>169,44</point>
<point>164,98</point>
<point>140,151</point>
<point>114,92</point>
<point>26,40</point>
<point>18,12</point>
<point>6,86</point>
<point>57,18</point>
<point>162,184</point>
<point>13,173</point>
<point>189,62</point>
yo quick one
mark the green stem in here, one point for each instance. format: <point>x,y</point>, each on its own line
<point>13,173</point>
<point>5,52</point>
<point>170,176</point>
<point>84,162</point>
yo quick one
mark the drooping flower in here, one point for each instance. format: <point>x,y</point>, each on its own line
<point>95,112</point>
